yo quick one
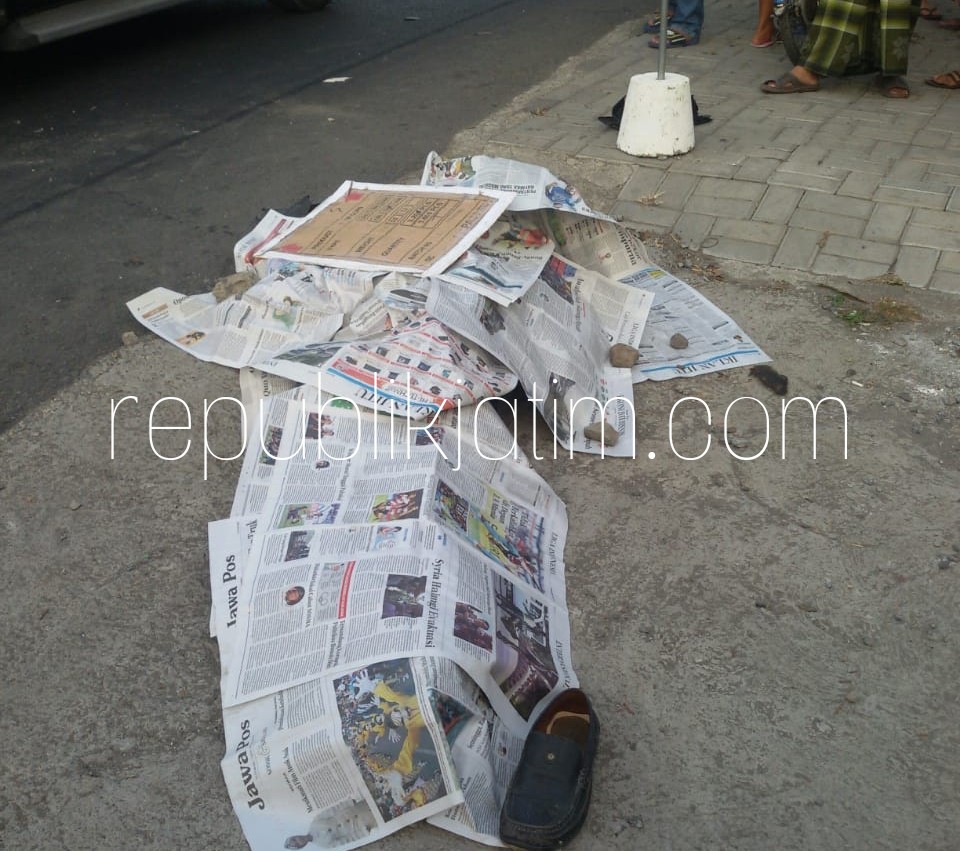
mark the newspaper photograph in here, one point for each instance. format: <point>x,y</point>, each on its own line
<point>533,186</point>
<point>338,763</point>
<point>381,227</point>
<point>506,260</point>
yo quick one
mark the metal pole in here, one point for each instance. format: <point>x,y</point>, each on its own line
<point>662,53</point>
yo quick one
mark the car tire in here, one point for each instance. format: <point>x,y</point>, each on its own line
<point>300,5</point>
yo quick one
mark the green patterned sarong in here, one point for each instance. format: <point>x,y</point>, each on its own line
<point>872,33</point>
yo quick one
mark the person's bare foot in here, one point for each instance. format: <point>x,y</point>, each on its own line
<point>805,76</point>
<point>764,36</point>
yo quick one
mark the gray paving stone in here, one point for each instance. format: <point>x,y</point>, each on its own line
<point>859,185</point>
<point>796,134</point>
<point>907,170</point>
<point>832,264</point>
<point>642,183</point>
<point>798,248</point>
<point>740,190</point>
<point>778,204</point>
<point>730,207</point>
<point>573,143</point>
<point>926,237</point>
<point>646,214</point>
<point>914,197</point>
<point>752,231</point>
<point>692,228</point>
<point>757,168</point>
<point>853,208</point>
<point>807,182</point>
<point>597,151</point>
<point>945,282</point>
<point>892,150</point>
<point>887,222</point>
<point>861,249</point>
<point>676,189</point>
<point>953,205</point>
<point>855,164</point>
<point>738,249</point>
<point>928,138</point>
<point>916,265</point>
<point>944,220</point>
<point>949,262</point>
<point>706,167</point>
<point>827,223</point>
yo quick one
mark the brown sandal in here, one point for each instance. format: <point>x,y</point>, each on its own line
<point>947,80</point>
<point>788,84</point>
<point>893,87</point>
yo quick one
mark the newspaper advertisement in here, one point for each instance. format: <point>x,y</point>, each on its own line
<point>714,340</point>
<point>420,367</point>
<point>506,260</point>
<point>552,341</point>
<point>278,312</point>
<point>381,227</point>
<point>533,186</point>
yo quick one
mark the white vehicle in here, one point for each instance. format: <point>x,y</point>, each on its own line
<point>27,23</point>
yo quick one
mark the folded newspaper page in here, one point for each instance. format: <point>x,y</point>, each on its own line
<point>506,260</point>
<point>291,306</point>
<point>554,343</point>
<point>382,227</point>
<point>533,186</point>
<point>714,340</point>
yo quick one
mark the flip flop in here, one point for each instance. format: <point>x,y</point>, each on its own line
<point>889,85</point>
<point>788,84</point>
<point>952,78</point>
<point>931,14</point>
<point>652,24</point>
<point>674,39</point>
<point>762,44</point>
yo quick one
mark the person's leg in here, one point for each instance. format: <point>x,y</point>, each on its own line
<point>834,37</point>
<point>897,20</point>
<point>765,33</point>
<point>687,19</point>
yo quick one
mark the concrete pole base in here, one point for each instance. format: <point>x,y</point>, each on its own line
<point>657,116</point>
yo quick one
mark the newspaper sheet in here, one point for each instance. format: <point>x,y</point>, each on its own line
<point>267,229</point>
<point>715,341</point>
<point>295,768</point>
<point>421,367</point>
<point>380,227</point>
<point>506,260</point>
<point>463,561</point>
<point>551,339</point>
<point>533,186</point>
<point>291,306</point>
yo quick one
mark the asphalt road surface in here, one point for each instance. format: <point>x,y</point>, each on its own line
<point>135,156</point>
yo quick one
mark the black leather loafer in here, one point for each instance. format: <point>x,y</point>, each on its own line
<point>548,797</point>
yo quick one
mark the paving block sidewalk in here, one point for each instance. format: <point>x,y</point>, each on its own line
<point>838,182</point>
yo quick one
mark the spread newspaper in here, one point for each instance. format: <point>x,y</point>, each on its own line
<point>388,627</point>
<point>388,593</point>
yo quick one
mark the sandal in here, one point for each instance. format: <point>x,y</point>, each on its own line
<point>950,24</point>
<point>947,80</point>
<point>652,24</point>
<point>788,84</point>
<point>893,87</point>
<point>930,13</point>
<point>674,39</point>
